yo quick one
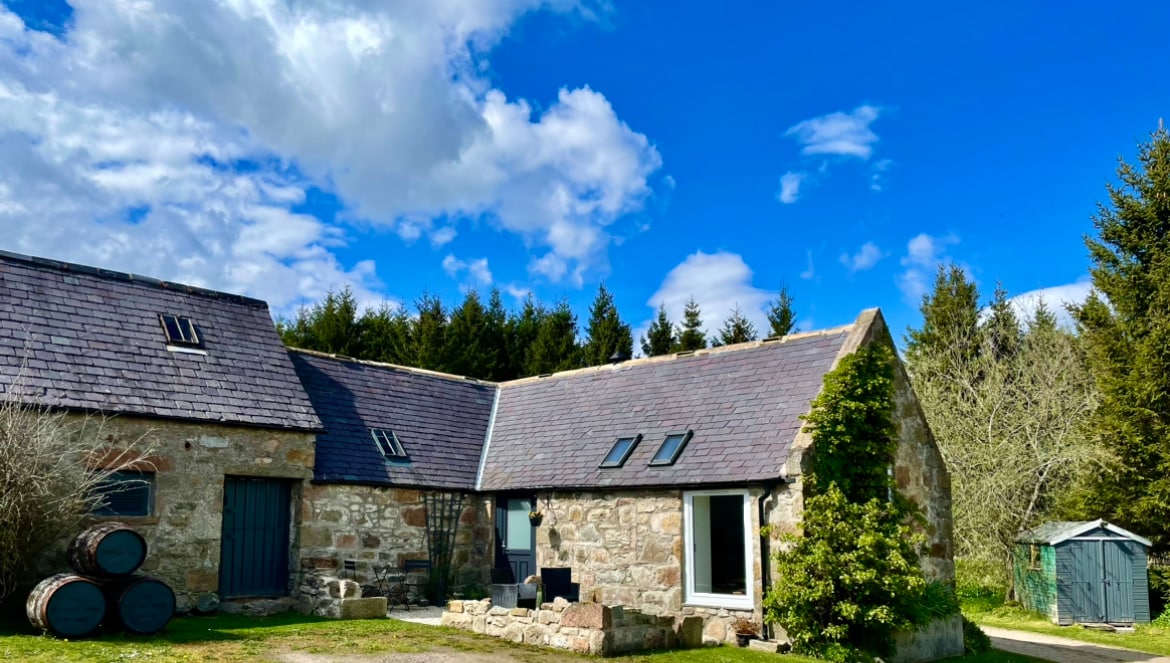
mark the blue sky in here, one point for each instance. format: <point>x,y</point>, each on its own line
<point>670,149</point>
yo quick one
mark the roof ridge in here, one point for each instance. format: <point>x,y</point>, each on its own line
<point>113,275</point>
<point>396,367</point>
<point>722,349</point>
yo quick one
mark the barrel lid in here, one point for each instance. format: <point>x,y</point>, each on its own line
<point>75,609</point>
<point>146,606</point>
<point>121,552</point>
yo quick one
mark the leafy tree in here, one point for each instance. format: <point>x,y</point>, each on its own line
<point>660,338</point>
<point>520,335</point>
<point>781,317</point>
<point>690,335</point>
<point>1125,324</point>
<point>606,334</point>
<point>736,329</point>
<point>330,325</point>
<point>555,346</point>
<point>469,349</point>
<point>429,335</point>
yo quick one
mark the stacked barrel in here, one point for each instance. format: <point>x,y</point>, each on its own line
<point>105,590</point>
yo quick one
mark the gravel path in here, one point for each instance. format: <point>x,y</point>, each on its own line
<point>1065,650</point>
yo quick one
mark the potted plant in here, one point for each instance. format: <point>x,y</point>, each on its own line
<point>745,630</point>
<point>535,517</point>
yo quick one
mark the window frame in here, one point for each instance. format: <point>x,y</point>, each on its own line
<point>195,340</point>
<point>143,481</point>
<point>746,601</point>
<point>634,441</point>
<point>391,440</point>
<point>686,438</point>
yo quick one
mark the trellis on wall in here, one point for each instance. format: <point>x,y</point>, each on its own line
<point>443,511</point>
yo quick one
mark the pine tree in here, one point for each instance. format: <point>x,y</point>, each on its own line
<point>1002,329</point>
<point>385,335</point>
<point>429,334</point>
<point>555,346</point>
<point>781,317</point>
<point>690,335</point>
<point>520,335</point>
<point>736,329</point>
<point>660,338</point>
<point>331,325</point>
<point>950,316</point>
<point>606,335</point>
<point>495,334</point>
<point>1125,324</point>
<point>469,351</point>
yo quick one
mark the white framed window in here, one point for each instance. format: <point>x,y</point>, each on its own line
<point>717,526</point>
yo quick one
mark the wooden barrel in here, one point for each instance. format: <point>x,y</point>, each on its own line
<point>138,604</point>
<point>107,550</point>
<point>66,605</point>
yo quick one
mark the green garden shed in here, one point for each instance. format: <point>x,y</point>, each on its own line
<point>1083,572</point>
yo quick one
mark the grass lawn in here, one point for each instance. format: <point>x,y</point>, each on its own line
<point>1150,639</point>
<point>229,638</point>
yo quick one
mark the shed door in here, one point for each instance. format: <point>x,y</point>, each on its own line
<point>1086,587</point>
<point>1118,582</point>
<point>254,550</point>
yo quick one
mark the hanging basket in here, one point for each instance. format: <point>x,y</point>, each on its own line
<point>536,518</point>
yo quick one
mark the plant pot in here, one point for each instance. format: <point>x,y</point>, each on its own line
<point>536,520</point>
<point>742,639</point>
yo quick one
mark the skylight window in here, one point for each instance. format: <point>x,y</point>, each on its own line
<point>620,451</point>
<point>671,448</point>
<point>180,330</point>
<point>387,443</point>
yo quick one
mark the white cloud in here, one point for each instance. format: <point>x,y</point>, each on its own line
<point>839,133</point>
<point>877,174</point>
<point>476,270</point>
<point>1055,298</point>
<point>175,139</point>
<point>790,187</point>
<point>718,282</point>
<point>866,257</point>
<point>923,254</point>
<point>810,272</point>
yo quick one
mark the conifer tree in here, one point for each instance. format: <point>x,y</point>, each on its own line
<point>950,316</point>
<point>690,334</point>
<point>385,334</point>
<point>736,329</point>
<point>495,335</point>
<point>606,335</point>
<point>781,317</point>
<point>522,330</point>
<point>660,338</point>
<point>1002,329</point>
<point>330,325</point>
<point>469,350</point>
<point>555,346</point>
<point>1125,324</point>
<point>429,334</point>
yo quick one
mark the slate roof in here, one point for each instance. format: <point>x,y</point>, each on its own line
<point>742,402</point>
<point>84,338</point>
<point>440,420</point>
<point>1057,531</point>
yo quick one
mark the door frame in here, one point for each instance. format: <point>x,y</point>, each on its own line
<point>283,549</point>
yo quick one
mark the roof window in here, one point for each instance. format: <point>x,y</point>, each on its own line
<point>387,443</point>
<point>620,451</point>
<point>180,330</point>
<point>671,448</point>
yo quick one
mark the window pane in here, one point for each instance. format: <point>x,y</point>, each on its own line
<point>172,326</point>
<point>126,494</point>
<point>619,451</point>
<point>701,526</point>
<point>720,544</point>
<point>519,535</point>
<point>668,449</point>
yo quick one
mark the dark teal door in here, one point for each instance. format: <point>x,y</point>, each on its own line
<point>1087,586</point>
<point>515,539</point>
<point>1118,583</point>
<point>254,549</point>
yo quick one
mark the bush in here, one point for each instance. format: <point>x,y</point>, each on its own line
<point>975,641</point>
<point>1159,588</point>
<point>980,585</point>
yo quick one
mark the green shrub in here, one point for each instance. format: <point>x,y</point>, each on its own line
<point>1159,588</point>
<point>980,585</point>
<point>975,641</point>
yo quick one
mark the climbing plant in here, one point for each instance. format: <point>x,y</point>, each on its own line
<point>852,578</point>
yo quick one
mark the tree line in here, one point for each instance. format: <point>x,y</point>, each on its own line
<point>1039,422</point>
<point>487,340</point>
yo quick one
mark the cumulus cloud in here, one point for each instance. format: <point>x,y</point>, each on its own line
<point>1055,298</point>
<point>718,282</point>
<point>475,270</point>
<point>178,139</point>
<point>924,252</point>
<point>839,133</point>
<point>790,187</point>
<point>866,257</point>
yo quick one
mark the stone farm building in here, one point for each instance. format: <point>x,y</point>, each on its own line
<point>270,468</point>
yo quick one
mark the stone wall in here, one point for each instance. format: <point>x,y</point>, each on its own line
<point>190,461</point>
<point>587,628</point>
<point>376,525</point>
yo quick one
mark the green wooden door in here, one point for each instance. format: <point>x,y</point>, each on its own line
<point>1118,582</point>
<point>255,545</point>
<point>1086,586</point>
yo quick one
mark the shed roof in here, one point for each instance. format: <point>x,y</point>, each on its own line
<point>84,338</point>
<point>440,420</point>
<point>742,402</point>
<point>1055,532</point>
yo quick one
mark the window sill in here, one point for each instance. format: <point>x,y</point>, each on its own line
<point>727,601</point>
